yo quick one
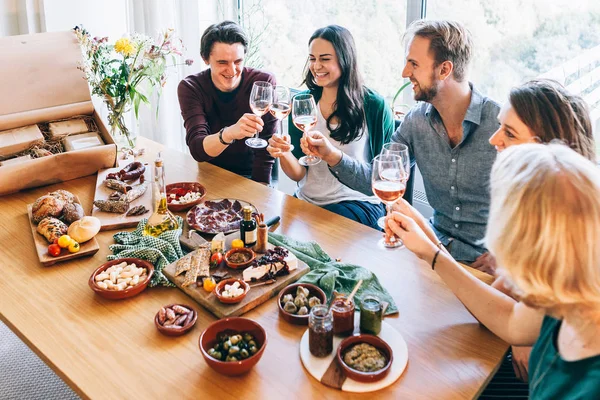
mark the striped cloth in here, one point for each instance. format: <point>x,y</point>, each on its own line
<point>160,251</point>
<point>505,385</point>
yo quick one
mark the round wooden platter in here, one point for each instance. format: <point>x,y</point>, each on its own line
<point>325,369</point>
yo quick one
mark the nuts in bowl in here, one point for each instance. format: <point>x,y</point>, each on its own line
<point>175,319</point>
<point>121,278</point>
<point>182,196</point>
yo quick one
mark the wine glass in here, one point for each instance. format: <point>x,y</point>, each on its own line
<point>281,108</point>
<point>388,180</point>
<point>304,115</point>
<point>261,99</point>
<point>398,149</point>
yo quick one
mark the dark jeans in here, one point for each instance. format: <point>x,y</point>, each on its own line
<point>359,211</point>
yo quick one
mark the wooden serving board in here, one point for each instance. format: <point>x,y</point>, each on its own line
<point>110,221</point>
<point>41,245</point>
<point>255,297</point>
<point>327,370</point>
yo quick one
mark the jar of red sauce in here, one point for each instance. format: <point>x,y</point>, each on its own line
<point>343,316</point>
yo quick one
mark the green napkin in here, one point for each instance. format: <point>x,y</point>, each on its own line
<point>160,251</point>
<point>330,275</point>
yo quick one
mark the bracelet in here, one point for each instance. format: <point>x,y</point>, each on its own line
<point>221,137</point>
<point>437,253</point>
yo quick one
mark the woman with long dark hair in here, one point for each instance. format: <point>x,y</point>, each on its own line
<point>350,116</point>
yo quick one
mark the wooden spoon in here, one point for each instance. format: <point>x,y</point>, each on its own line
<point>354,291</point>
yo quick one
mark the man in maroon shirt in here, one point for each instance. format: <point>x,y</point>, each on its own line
<point>216,110</point>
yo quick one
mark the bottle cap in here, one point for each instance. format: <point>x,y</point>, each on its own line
<point>247,210</point>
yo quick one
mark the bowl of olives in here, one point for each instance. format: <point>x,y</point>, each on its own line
<point>232,346</point>
<point>296,300</point>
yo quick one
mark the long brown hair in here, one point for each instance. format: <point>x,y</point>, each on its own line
<point>552,113</point>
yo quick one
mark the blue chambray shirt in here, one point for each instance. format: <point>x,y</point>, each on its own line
<point>456,179</point>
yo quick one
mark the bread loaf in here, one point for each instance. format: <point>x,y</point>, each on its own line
<point>64,195</point>
<point>47,206</point>
<point>51,228</point>
<point>83,230</point>
<point>72,212</point>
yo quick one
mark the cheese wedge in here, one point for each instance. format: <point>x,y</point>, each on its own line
<point>259,271</point>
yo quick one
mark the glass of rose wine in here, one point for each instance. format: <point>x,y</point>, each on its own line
<point>304,115</point>
<point>281,108</point>
<point>261,99</point>
<point>402,151</point>
<point>388,180</point>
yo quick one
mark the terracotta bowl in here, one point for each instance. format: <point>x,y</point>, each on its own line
<point>191,186</point>
<point>177,331</point>
<point>234,265</point>
<point>121,294</point>
<point>359,375</point>
<point>291,289</point>
<point>231,300</point>
<point>235,325</point>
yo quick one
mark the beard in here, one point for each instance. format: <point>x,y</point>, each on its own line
<point>427,94</point>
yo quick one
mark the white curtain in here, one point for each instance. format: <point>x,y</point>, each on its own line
<point>19,17</point>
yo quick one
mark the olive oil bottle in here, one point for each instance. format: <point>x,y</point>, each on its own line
<point>161,219</point>
<point>248,229</point>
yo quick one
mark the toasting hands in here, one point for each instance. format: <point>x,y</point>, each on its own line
<point>411,234</point>
<point>247,126</point>
<point>314,143</point>
<point>279,145</point>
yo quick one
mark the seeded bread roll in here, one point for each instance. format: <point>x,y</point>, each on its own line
<point>52,228</point>
<point>64,195</point>
<point>47,206</point>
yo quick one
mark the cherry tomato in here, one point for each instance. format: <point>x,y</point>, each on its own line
<point>74,246</point>
<point>64,241</point>
<point>216,259</point>
<point>54,250</point>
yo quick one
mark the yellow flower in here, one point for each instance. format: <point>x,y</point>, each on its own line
<point>125,47</point>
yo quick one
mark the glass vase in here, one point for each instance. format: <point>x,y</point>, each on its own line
<point>123,136</point>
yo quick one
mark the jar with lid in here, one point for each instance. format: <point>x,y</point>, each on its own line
<point>343,315</point>
<point>371,315</point>
<point>320,331</point>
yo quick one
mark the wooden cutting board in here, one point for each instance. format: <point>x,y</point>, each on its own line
<point>255,297</point>
<point>41,245</point>
<point>110,221</point>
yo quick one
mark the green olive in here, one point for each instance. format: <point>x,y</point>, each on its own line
<point>226,345</point>
<point>248,337</point>
<point>235,339</point>
<point>253,349</point>
<point>218,355</point>
<point>231,358</point>
<point>251,343</point>
<point>234,350</point>
<point>244,353</point>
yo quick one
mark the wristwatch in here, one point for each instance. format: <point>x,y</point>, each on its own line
<point>221,137</point>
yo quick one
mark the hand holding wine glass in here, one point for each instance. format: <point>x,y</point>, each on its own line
<point>281,108</point>
<point>402,151</point>
<point>261,99</point>
<point>389,176</point>
<point>304,115</point>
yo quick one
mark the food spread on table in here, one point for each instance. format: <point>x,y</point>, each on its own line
<point>215,216</point>
<point>234,347</point>
<point>121,276</point>
<point>364,357</point>
<point>301,304</point>
<point>175,317</point>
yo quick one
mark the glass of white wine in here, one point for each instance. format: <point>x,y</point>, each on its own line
<point>304,115</point>
<point>388,180</point>
<point>402,151</point>
<point>281,108</point>
<point>261,99</point>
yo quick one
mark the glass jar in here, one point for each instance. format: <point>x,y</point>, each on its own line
<point>371,315</point>
<point>320,331</point>
<point>343,316</point>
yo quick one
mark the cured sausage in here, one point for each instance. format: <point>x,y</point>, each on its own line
<point>131,172</point>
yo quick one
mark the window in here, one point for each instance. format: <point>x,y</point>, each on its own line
<point>280,31</point>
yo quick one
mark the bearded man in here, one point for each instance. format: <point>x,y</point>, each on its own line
<point>447,134</point>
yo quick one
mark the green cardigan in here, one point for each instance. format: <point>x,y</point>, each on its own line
<point>380,124</point>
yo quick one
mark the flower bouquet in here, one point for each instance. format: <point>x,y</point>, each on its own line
<point>125,74</point>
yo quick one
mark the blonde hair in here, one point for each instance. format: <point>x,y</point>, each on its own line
<point>544,227</point>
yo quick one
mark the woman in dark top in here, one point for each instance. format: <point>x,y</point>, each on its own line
<point>543,230</point>
<point>216,110</point>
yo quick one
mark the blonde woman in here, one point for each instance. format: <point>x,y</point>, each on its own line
<point>544,230</point>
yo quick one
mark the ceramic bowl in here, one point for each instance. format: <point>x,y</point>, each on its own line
<point>121,294</point>
<point>359,375</point>
<point>220,288</point>
<point>291,289</point>
<point>232,325</point>
<point>188,186</point>
<point>244,264</point>
<point>177,331</point>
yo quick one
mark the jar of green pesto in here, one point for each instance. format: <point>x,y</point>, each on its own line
<point>371,315</point>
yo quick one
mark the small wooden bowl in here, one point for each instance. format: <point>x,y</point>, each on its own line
<point>231,300</point>
<point>177,331</point>
<point>236,325</point>
<point>191,186</point>
<point>244,264</point>
<point>359,375</point>
<point>121,294</point>
<point>291,289</point>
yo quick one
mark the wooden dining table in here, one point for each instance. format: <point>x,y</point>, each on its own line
<point>111,349</point>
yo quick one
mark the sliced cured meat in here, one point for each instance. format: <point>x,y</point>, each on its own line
<point>236,206</point>
<point>216,216</point>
